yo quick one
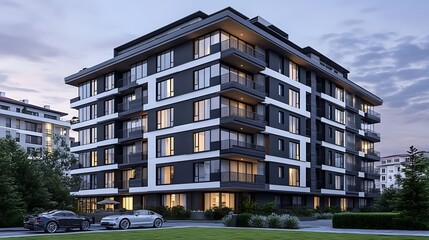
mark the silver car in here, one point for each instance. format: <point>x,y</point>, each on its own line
<point>135,218</point>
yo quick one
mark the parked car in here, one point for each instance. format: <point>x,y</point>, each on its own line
<point>51,221</point>
<point>133,219</point>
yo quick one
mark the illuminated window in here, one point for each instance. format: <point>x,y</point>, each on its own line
<point>109,82</point>
<point>109,131</point>
<point>339,116</point>
<point>164,175</point>
<point>127,203</point>
<point>338,182</point>
<point>172,200</point>
<point>202,110</point>
<point>109,156</point>
<point>165,60</point>
<point>109,180</point>
<point>294,177</point>
<point>202,141</point>
<point>293,98</point>
<point>138,71</point>
<point>202,45</point>
<point>293,124</point>
<point>339,94</point>
<point>339,138</point>
<point>165,89</point>
<point>109,107</point>
<point>316,202</point>
<point>212,200</point>
<point>294,150</point>
<point>293,71</point>
<point>165,147</point>
<point>165,118</point>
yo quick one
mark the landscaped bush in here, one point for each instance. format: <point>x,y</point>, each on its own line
<point>163,210</point>
<point>274,221</point>
<point>324,215</point>
<point>289,222</point>
<point>302,211</point>
<point>217,213</point>
<point>227,220</point>
<point>243,219</point>
<point>258,221</point>
<point>375,221</point>
<point>179,212</point>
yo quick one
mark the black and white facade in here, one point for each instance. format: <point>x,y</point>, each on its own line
<point>215,108</point>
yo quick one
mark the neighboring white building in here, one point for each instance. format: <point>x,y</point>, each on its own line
<point>388,168</point>
<point>33,127</point>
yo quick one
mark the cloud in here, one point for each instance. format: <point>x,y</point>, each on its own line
<point>352,22</point>
<point>19,89</point>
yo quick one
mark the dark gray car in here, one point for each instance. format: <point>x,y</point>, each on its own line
<point>51,221</point>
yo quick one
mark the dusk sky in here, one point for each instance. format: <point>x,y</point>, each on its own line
<point>384,44</point>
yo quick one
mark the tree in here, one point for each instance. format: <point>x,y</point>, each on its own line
<point>413,197</point>
<point>387,201</point>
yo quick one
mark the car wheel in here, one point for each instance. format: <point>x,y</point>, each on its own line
<point>51,227</point>
<point>85,226</point>
<point>157,223</point>
<point>124,224</point>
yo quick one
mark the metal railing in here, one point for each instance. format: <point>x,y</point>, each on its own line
<point>229,143</point>
<point>373,113</point>
<point>239,112</point>
<point>137,103</point>
<point>125,133</point>
<point>126,81</point>
<point>245,48</point>
<point>372,133</point>
<point>233,77</point>
<point>133,157</point>
<point>352,188</point>
<point>238,177</point>
<point>371,152</point>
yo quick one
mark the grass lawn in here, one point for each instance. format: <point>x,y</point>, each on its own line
<point>215,233</point>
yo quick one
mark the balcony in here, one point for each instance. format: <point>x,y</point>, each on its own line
<point>73,100</point>
<point>372,154</point>
<point>75,144</point>
<point>126,83</point>
<point>242,120</point>
<point>352,188</point>
<point>372,192</point>
<point>372,116</point>
<point>130,107</point>
<point>236,150</point>
<point>370,172</point>
<point>372,135</point>
<point>131,134</point>
<point>242,180</point>
<point>133,159</point>
<point>239,88</point>
<point>242,56</point>
<point>123,185</point>
<point>137,182</point>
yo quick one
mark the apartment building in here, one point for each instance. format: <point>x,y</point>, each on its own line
<point>33,127</point>
<point>212,109</point>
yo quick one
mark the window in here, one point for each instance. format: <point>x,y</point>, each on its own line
<point>220,200</point>
<point>281,117</point>
<point>18,124</point>
<point>165,60</point>
<point>202,141</point>
<point>17,137</point>
<point>294,150</point>
<point>329,111</point>
<point>7,133</point>
<point>294,98</point>
<point>87,205</point>
<point>281,90</point>
<point>293,71</point>
<point>339,116</point>
<point>88,181</point>
<point>339,138</point>
<point>202,171</point>
<point>294,177</point>
<point>88,159</point>
<point>281,144</point>
<point>138,70</point>
<point>165,89</point>
<point>88,89</point>
<point>33,139</point>
<point>109,180</point>
<point>109,107</point>
<point>127,203</point>
<point>87,136</point>
<point>165,147</point>
<point>8,122</point>
<point>339,160</point>
<point>339,94</point>
<point>109,131</point>
<point>202,77</point>
<point>281,172</point>
<point>202,45</point>
<point>383,178</point>
<point>172,200</point>
<point>88,113</point>
<point>383,170</point>
<point>165,118</point>
<point>293,124</point>
<point>399,169</point>
<point>202,110</point>
<point>109,81</point>
<point>109,156</point>
<point>338,182</point>
<point>164,175</point>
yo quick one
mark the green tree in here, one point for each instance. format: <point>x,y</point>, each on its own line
<point>413,198</point>
<point>387,201</point>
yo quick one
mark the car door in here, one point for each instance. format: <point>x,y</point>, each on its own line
<point>140,218</point>
<point>61,219</point>
<point>73,220</point>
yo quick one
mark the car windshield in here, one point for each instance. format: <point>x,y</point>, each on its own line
<point>127,213</point>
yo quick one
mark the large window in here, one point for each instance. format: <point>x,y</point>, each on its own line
<point>202,77</point>
<point>109,131</point>
<point>293,71</point>
<point>165,89</point>
<point>87,205</point>
<point>293,124</point>
<point>32,139</point>
<point>202,110</point>
<point>165,147</point>
<point>109,156</point>
<point>88,113</point>
<point>138,71</point>
<point>88,181</point>
<point>220,200</point>
<point>294,150</point>
<point>88,89</point>
<point>338,182</point>
<point>202,141</point>
<point>294,177</point>
<point>109,180</point>
<point>87,136</point>
<point>339,94</point>
<point>339,116</point>
<point>88,159</point>
<point>165,118</point>
<point>281,90</point>
<point>281,117</point>
<point>109,82</point>
<point>294,98</point>
<point>109,107</point>
<point>127,203</point>
<point>172,200</point>
<point>281,145</point>
<point>164,175</point>
<point>165,60</point>
<point>339,138</point>
<point>202,45</point>
<point>202,171</point>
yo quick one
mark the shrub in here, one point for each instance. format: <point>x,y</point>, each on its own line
<point>376,221</point>
<point>258,221</point>
<point>274,221</point>
<point>243,219</point>
<point>163,210</point>
<point>248,206</point>
<point>227,220</point>
<point>324,215</point>
<point>179,212</point>
<point>217,213</point>
<point>266,209</point>
<point>289,222</point>
<point>301,211</point>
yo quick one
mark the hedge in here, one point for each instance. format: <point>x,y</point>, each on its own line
<point>375,221</point>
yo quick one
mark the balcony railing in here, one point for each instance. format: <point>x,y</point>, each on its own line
<point>134,157</point>
<point>75,99</point>
<point>368,169</point>
<point>138,182</point>
<point>371,152</point>
<point>352,188</point>
<point>238,177</point>
<point>230,143</point>
<point>239,112</point>
<point>372,190</point>
<point>233,77</point>
<point>232,43</point>
<point>126,133</point>
<point>371,133</point>
<point>126,81</point>
<point>134,104</point>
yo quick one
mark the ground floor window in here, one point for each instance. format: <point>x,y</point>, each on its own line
<point>127,203</point>
<point>109,207</point>
<point>87,205</point>
<point>212,200</point>
<point>343,204</point>
<point>171,200</point>
<point>316,202</point>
